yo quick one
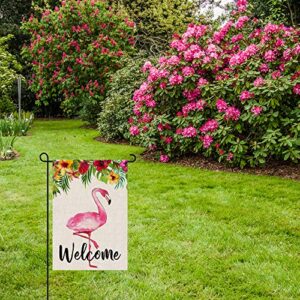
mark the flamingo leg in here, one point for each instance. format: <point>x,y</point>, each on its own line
<point>88,238</point>
<point>91,266</point>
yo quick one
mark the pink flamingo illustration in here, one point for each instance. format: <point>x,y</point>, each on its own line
<point>83,224</point>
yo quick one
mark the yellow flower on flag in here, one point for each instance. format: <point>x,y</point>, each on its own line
<point>113,178</point>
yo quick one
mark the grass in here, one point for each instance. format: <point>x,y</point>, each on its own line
<point>192,233</point>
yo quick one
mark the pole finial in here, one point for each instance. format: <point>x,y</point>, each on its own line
<point>44,154</point>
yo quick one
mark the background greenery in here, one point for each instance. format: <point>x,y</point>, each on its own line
<point>117,107</point>
<point>234,236</point>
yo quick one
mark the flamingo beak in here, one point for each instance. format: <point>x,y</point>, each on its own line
<point>108,199</point>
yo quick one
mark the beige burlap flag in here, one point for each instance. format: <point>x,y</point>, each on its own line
<point>90,215</point>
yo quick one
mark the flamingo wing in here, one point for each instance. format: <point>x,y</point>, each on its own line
<point>85,222</point>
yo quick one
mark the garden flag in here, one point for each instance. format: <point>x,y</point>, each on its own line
<point>90,215</point>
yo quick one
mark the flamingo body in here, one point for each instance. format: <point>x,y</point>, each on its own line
<point>86,222</point>
<point>83,224</point>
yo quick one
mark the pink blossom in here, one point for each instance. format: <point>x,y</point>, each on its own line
<point>162,60</point>
<point>191,95</point>
<point>264,68</point>
<point>164,158</point>
<point>188,71</point>
<point>150,103</point>
<point>46,13</point>
<point>281,67</point>
<point>242,5</point>
<point>271,28</point>
<point>154,74</point>
<point>175,79</point>
<point>251,50</point>
<point>221,105</point>
<point>173,60</point>
<point>296,50</point>
<point>195,48</point>
<point>195,31</point>
<point>178,45</point>
<point>276,74</point>
<point>147,65</point>
<point>270,56</point>
<point>200,104</point>
<point>246,95</point>
<point>259,81</point>
<point>287,54</point>
<point>241,22</point>
<point>188,55</point>
<point>146,118</point>
<point>202,82</point>
<point>237,38</point>
<point>206,60</point>
<point>130,120</point>
<point>179,131</point>
<point>238,59</point>
<point>163,85</point>
<point>279,43</point>
<point>211,48</point>
<point>220,35</point>
<point>229,156</point>
<point>207,140</point>
<point>296,89</point>
<point>209,126</point>
<point>232,113</point>
<point>188,107</point>
<point>168,140</point>
<point>160,127</point>
<point>134,130</point>
<point>189,131</point>
<point>256,110</point>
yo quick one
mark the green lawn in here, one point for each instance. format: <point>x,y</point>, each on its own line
<point>192,233</point>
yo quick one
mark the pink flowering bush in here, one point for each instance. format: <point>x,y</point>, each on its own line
<point>73,49</point>
<point>231,94</point>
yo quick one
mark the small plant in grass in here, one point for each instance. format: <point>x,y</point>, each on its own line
<point>13,126</point>
<point>7,147</point>
<point>232,94</point>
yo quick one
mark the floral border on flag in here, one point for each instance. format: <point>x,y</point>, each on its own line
<point>107,171</point>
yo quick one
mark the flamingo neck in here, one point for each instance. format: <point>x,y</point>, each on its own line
<point>101,209</point>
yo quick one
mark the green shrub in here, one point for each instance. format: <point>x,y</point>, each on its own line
<point>157,20</point>
<point>6,106</point>
<point>117,107</point>
<point>232,94</point>
<point>73,48</point>
<point>8,74</point>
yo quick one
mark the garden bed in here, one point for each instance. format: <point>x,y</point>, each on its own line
<point>274,168</point>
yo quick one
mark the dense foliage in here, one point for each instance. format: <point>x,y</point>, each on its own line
<point>286,11</point>
<point>12,13</point>
<point>157,20</point>
<point>117,107</point>
<point>8,74</point>
<point>73,49</point>
<point>231,94</point>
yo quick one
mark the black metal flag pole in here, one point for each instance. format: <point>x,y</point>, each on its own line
<point>44,157</point>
